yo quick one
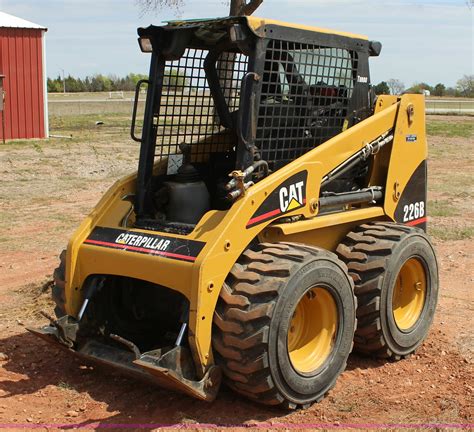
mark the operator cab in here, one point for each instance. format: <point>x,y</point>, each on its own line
<point>240,93</point>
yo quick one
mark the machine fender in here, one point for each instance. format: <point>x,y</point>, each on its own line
<point>411,207</point>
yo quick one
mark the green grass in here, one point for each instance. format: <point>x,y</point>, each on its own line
<point>451,233</point>
<point>65,386</point>
<point>441,208</point>
<point>87,122</point>
<point>450,129</point>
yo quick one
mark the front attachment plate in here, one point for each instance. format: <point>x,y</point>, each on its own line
<point>172,368</point>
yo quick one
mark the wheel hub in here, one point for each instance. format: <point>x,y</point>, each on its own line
<point>409,294</point>
<point>312,330</point>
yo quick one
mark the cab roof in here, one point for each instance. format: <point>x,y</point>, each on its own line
<point>257,25</point>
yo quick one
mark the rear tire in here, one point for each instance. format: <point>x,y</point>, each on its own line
<point>396,282</point>
<point>59,286</point>
<point>264,297</point>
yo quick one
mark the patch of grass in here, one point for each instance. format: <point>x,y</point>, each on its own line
<point>96,153</point>
<point>37,147</point>
<point>441,208</point>
<point>87,122</point>
<point>65,386</point>
<point>448,129</point>
<point>451,233</point>
<point>348,408</point>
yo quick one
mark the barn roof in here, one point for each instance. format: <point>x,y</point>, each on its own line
<point>7,20</point>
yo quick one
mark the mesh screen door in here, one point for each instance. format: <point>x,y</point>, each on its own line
<point>187,110</point>
<point>306,91</point>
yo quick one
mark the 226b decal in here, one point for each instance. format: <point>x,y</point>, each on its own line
<point>413,211</point>
<point>288,196</point>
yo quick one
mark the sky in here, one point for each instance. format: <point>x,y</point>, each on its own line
<point>423,40</point>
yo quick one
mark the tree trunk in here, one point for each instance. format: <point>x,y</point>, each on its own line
<point>241,7</point>
<point>236,7</point>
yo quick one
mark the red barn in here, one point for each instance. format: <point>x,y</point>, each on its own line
<point>22,64</point>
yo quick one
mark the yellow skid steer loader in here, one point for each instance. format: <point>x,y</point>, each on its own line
<point>277,219</point>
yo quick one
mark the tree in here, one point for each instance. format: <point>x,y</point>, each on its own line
<point>382,88</point>
<point>74,85</point>
<point>466,86</point>
<point>452,92</point>
<point>396,86</point>
<point>55,85</point>
<point>420,88</point>
<point>237,7</point>
<point>439,90</point>
<point>175,80</point>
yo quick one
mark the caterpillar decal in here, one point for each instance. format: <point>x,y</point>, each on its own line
<point>151,244</point>
<point>288,196</point>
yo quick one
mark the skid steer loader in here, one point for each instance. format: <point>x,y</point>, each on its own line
<point>277,219</point>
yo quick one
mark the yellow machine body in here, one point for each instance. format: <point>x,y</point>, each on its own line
<point>226,234</point>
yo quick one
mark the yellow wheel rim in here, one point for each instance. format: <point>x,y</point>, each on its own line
<point>312,330</point>
<point>409,294</point>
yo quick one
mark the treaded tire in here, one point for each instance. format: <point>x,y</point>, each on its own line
<point>59,284</point>
<point>375,253</point>
<point>253,314</point>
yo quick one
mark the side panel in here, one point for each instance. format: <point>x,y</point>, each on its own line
<point>405,196</point>
<point>411,207</point>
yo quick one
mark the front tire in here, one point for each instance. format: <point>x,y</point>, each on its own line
<point>395,272</point>
<point>284,324</point>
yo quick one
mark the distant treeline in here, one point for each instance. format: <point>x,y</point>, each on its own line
<point>95,83</point>
<point>177,79</point>
<point>464,88</point>
<point>103,83</point>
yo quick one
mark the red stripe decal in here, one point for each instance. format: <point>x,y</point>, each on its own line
<point>263,217</point>
<point>139,249</point>
<point>417,221</point>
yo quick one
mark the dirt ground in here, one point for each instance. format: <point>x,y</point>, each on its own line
<point>46,189</point>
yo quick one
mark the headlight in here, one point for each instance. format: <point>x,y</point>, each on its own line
<point>145,44</point>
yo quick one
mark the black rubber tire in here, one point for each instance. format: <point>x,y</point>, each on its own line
<point>253,313</point>
<point>59,284</point>
<point>375,253</point>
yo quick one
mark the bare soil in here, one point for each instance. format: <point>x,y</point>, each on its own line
<point>48,186</point>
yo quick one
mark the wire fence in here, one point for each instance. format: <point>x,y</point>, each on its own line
<point>450,106</point>
<point>124,106</point>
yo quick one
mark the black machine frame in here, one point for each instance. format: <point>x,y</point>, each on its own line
<point>249,118</point>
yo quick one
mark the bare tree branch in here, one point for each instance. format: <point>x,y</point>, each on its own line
<point>147,6</point>
<point>251,7</point>
<point>396,86</point>
<point>237,7</point>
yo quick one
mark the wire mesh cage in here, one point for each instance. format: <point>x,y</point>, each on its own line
<point>187,110</point>
<point>305,97</point>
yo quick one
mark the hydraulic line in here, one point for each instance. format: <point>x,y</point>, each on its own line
<point>367,195</point>
<point>362,155</point>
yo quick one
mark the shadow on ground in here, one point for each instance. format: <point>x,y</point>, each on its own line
<point>130,402</point>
